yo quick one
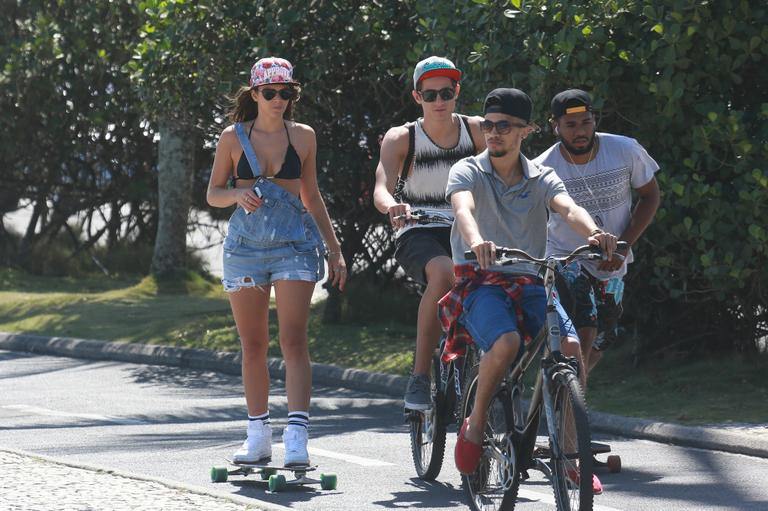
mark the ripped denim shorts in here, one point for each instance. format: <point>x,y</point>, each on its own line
<point>249,264</point>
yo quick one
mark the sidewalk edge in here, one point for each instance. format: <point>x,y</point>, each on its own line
<point>250,503</point>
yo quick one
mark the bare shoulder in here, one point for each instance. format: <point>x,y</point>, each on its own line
<point>302,131</point>
<point>474,120</point>
<point>228,136</point>
<point>396,140</point>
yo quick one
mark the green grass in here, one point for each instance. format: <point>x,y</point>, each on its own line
<point>192,311</point>
<point>189,311</point>
<point>712,390</point>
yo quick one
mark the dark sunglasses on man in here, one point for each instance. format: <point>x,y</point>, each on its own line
<point>502,127</point>
<point>286,94</point>
<point>430,95</point>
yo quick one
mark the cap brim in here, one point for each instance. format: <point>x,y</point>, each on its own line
<point>453,74</point>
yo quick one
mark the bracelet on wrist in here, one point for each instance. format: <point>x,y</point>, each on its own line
<point>596,231</point>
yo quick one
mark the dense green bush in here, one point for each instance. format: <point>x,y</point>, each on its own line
<point>689,80</point>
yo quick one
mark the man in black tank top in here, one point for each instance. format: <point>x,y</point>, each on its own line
<point>411,175</point>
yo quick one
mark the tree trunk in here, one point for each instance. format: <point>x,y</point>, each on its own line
<point>175,162</point>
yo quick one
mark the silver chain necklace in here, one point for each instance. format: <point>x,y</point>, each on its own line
<point>582,175</point>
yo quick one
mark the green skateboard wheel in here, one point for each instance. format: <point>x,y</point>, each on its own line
<point>219,474</point>
<point>266,473</point>
<point>277,482</point>
<point>328,481</point>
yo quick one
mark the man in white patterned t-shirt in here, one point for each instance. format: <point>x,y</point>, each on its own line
<point>411,175</point>
<point>599,170</point>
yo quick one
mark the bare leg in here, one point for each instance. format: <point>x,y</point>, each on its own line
<point>594,358</point>
<point>250,308</point>
<point>439,271</point>
<point>293,298</point>
<point>493,366</point>
<point>587,336</point>
<point>570,347</point>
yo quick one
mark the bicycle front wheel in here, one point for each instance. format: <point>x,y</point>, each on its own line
<point>495,483</point>
<point>572,467</point>
<point>428,430</point>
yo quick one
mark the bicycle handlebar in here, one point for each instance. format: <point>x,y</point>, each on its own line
<point>509,256</point>
<point>421,217</point>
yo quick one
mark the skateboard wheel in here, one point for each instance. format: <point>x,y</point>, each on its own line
<point>328,481</point>
<point>219,474</point>
<point>277,483</point>
<point>614,463</point>
<point>266,473</point>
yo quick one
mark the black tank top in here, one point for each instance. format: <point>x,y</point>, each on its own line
<point>291,168</point>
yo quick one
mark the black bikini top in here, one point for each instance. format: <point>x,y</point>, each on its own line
<point>291,168</point>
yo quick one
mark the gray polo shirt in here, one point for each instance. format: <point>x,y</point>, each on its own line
<point>510,216</point>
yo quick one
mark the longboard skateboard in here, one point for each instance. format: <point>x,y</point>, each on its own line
<point>277,482</point>
<point>612,462</point>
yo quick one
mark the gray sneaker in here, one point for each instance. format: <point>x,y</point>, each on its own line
<point>418,394</point>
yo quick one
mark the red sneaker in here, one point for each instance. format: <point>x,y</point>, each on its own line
<point>597,486</point>
<point>467,454</point>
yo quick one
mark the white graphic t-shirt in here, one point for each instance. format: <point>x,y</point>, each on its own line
<point>603,187</point>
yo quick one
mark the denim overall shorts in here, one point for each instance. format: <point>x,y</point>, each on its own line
<point>278,241</point>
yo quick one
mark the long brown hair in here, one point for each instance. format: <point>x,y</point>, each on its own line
<point>244,108</point>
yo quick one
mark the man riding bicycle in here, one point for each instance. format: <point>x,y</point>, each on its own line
<point>412,172</point>
<point>502,197</point>
<point>599,170</point>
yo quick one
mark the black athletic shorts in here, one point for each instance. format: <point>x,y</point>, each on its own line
<point>415,248</point>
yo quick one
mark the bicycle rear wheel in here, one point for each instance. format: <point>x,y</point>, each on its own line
<point>428,430</point>
<point>496,481</point>
<point>572,470</point>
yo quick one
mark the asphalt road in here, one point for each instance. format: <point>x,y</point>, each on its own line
<point>176,423</point>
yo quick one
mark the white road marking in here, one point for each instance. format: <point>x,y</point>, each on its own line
<point>37,410</point>
<point>550,499</point>
<point>357,460</point>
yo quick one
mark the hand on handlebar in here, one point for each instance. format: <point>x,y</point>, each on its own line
<point>485,252</point>
<point>399,215</point>
<point>619,255</point>
<point>607,243</point>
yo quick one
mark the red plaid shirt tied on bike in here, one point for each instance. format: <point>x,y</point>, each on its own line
<point>468,278</point>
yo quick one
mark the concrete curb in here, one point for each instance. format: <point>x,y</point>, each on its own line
<point>710,438</point>
<point>220,361</point>
<point>249,503</point>
<point>324,374</point>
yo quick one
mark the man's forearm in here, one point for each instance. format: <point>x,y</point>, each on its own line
<point>468,227</point>
<point>641,218</point>
<point>580,221</point>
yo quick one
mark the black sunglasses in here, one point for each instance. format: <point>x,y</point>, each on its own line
<point>502,127</point>
<point>430,95</point>
<point>286,94</point>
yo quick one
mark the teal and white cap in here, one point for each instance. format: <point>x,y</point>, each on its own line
<point>435,66</point>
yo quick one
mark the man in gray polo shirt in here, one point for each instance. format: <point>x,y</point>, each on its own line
<point>499,197</point>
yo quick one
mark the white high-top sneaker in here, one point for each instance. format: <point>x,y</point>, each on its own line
<point>258,446</point>
<point>295,440</point>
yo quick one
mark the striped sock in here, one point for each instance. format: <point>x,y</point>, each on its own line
<point>299,419</point>
<point>264,418</point>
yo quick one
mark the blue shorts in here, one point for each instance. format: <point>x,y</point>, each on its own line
<point>489,313</point>
<point>250,264</point>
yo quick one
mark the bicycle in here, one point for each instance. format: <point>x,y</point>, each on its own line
<point>510,434</point>
<point>428,428</point>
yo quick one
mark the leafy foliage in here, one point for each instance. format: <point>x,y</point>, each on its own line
<point>688,80</point>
